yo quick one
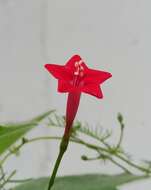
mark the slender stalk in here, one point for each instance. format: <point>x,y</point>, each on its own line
<point>44,138</point>
<point>19,180</point>
<point>27,142</point>
<point>107,157</point>
<point>10,153</point>
<point>97,148</point>
<point>132,164</point>
<point>2,177</point>
<point>5,158</point>
<point>8,178</point>
<point>63,148</point>
<point>91,146</point>
<point>119,165</point>
<point>121,138</point>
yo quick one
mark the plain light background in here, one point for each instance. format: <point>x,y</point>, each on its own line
<point>111,35</point>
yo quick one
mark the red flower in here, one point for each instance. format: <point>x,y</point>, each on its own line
<point>75,77</point>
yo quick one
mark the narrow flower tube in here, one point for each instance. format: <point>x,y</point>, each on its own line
<point>71,110</point>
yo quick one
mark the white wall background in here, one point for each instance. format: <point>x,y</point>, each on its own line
<point>112,35</point>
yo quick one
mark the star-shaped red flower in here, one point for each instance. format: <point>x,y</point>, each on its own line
<point>75,76</point>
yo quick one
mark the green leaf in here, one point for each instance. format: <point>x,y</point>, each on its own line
<point>11,132</point>
<point>81,182</point>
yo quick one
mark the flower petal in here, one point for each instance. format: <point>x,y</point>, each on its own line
<point>95,76</point>
<point>93,89</point>
<point>64,86</point>
<point>88,80</point>
<point>71,62</point>
<point>59,71</point>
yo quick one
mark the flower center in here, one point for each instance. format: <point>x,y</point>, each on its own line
<point>78,73</point>
<point>79,68</point>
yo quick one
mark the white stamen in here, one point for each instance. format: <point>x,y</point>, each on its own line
<point>79,68</point>
<point>80,62</point>
<point>76,64</point>
<point>76,73</point>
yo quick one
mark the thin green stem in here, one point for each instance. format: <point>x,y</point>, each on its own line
<point>116,155</point>
<point>106,157</point>
<point>10,153</point>
<point>97,138</point>
<point>5,158</point>
<point>63,148</point>
<point>19,180</point>
<point>79,141</point>
<point>132,164</point>
<point>121,138</point>
<point>2,177</point>
<point>118,164</point>
<point>43,138</point>
<point>27,142</point>
<point>8,178</point>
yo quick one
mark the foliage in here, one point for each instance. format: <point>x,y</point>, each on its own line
<point>10,133</point>
<point>114,153</point>
<point>81,182</point>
